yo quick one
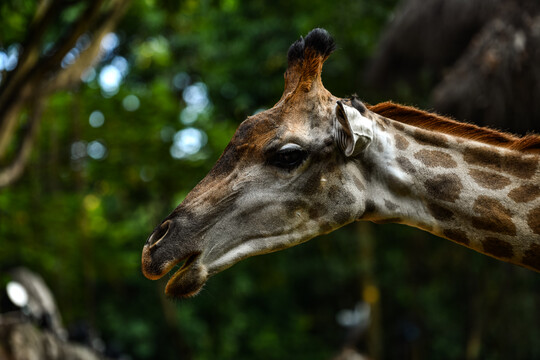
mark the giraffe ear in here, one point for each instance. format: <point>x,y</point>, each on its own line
<point>352,131</point>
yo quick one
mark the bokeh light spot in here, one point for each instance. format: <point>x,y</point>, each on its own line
<point>109,79</point>
<point>96,150</point>
<point>131,103</point>
<point>96,119</point>
<point>188,142</point>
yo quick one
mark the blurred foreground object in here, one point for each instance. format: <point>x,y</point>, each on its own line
<point>40,306</point>
<point>30,323</point>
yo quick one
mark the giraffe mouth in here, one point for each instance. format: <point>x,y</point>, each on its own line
<point>189,279</point>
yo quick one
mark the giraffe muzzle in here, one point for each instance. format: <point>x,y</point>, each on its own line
<point>166,249</point>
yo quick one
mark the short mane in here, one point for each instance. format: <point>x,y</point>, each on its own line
<point>429,121</point>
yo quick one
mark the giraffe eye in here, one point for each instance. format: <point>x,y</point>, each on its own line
<point>288,157</point>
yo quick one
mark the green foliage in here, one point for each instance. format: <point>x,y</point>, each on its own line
<point>81,221</point>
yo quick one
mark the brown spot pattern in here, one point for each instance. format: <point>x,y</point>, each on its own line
<point>401,142</point>
<point>428,138</point>
<point>489,180</point>
<point>492,216</point>
<point>497,247</point>
<point>440,212</point>
<point>456,235</point>
<point>334,192</point>
<point>325,228</point>
<point>390,205</point>
<point>398,126</point>
<point>406,165</point>
<point>341,217</point>
<point>533,220</point>
<point>340,195</point>
<point>315,211</point>
<point>525,193</point>
<point>531,257</point>
<point>524,167</point>
<point>313,184</point>
<point>445,187</point>
<point>434,158</point>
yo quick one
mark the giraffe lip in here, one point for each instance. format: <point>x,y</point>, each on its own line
<point>189,279</point>
<point>189,259</point>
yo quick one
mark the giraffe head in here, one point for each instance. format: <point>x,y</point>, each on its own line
<point>282,180</point>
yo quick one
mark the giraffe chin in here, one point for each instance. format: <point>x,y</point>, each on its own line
<point>188,280</point>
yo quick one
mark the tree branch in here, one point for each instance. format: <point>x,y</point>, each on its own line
<point>36,78</point>
<point>71,75</point>
<point>13,85</point>
<point>14,170</point>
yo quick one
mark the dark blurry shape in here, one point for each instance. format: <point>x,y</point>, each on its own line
<point>426,35</point>
<point>22,341</point>
<point>28,291</point>
<point>496,81</point>
<point>355,318</point>
<point>83,333</point>
<point>31,326</point>
<point>482,57</point>
<point>356,323</point>
<point>350,354</point>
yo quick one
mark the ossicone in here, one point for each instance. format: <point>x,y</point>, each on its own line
<point>305,60</point>
<point>317,40</point>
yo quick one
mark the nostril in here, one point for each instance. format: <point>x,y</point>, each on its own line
<point>159,233</point>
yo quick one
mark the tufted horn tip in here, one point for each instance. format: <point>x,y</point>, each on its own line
<point>296,52</point>
<point>321,41</point>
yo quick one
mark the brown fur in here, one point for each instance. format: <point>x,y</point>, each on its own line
<point>440,212</point>
<point>492,216</point>
<point>311,69</point>
<point>533,219</point>
<point>401,142</point>
<point>435,158</point>
<point>532,257</point>
<point>429,121</point>
<point>445,187</point>
<point>489,180</point>
<point>521,165</point>
<point>456,235</point>
<point>406,165</point>
<point>302,75</point>
<point>525,193</point>
<point>497,247</point>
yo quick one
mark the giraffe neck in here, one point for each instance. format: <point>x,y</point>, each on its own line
<point>478,195</point>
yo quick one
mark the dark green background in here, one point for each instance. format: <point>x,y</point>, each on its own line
<point>81,222</point>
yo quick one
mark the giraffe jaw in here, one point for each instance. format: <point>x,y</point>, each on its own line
<point>197,268</point>
<point>189,279</point>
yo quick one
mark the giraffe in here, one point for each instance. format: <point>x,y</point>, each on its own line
<point>315,162</point>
